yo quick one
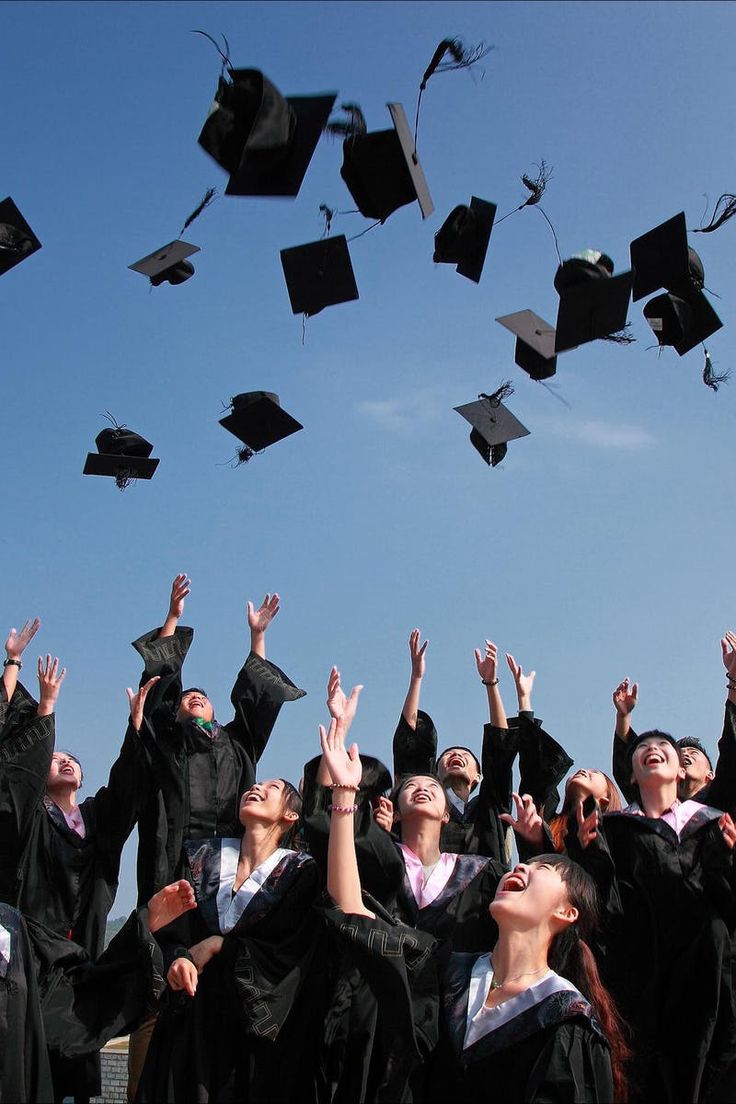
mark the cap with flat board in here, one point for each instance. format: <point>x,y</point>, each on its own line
<point>463,238</point>
<point>264,140</point>
<point>257,419</point>
<point>593,303</point>
<point>121,454</point>
<point>493,426</point>
<point>382,170</point>
<point>167,264</point>
<point>17,240</point>
<point>535,343</point>
<point>681,323</point>
<point>319,274</point>
<point>661,258</point>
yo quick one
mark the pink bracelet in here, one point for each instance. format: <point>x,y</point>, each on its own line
<point>343,808</point>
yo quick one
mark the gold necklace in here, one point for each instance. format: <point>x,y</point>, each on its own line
<point>500,984</point>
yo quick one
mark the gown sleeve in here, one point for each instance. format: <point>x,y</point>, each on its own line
<point>722,790</point>
<point>129,786</point>
<point>573,1068</point>
<point>543,763</point>
<point>621,772</point>
<point>260,689</point>
<point>25,758</point>
<point>415,749</point>
<point>163,656</point>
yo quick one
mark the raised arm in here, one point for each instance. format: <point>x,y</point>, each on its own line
<point>418,668</point>
<point>543,763</point>
<point>259,620</point>
<point>179,590</point>
<point>625,697</point>
<point>15,645</point>
<point>722,790</point>
<point>487,666</point>
<point>163,652</point>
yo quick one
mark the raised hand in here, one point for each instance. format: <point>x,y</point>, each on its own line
<point>487,664</point>
<point>528,823</point>
<point>587,825</point>
<point>169,903</point>
<point>179,590</point>
<point>383,814</point>
<point>343,763</point>
<point>524,683</point>
<point>259,619</point>
<point>728,828</point>
<point>625,697</point>
<point>182,975</point>
<point>49,682</point>
<point>138,701</point>
<point>728,651</point>
<point>340,707</point>
<point>17,642</point>
<point>206,950</point>
<point>416,652</point>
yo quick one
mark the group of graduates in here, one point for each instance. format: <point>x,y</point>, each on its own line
<point>332,944</point>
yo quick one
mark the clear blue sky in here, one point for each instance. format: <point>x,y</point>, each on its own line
<point>603,545</point>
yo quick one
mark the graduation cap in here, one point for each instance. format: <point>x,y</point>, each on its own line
<point>593,302</point>
<point>382,170</point>
<point>681,323</point>
<point>662,258</point>
<point>264,140</point>
<point>535,343</point>
<point>121,454</point>
<point>17,240</point>
<point>168,264</point>
<point>257,419</point>
<point>319,274</point>
<point>493,424</point>
<point>463,238</point>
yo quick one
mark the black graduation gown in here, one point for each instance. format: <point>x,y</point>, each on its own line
<point>199,778</point>
<point>460,913</point>
<point>668,914</point>
<point>250,1033</point>
<point>382,1020</point>
<point>24,1064</point>
<point>720,793</point>
<point>551,1053</point>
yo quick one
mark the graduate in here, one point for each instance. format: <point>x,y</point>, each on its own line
<point>475,824</point>
<point>665,873</point>
<point>25,1073</point>
<point>239,1020</point>
<point>518,1029</point>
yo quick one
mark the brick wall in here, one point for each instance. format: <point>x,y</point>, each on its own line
<point>114,1077</point>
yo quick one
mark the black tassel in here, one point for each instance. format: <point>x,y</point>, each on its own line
<point>622,336</point>
<point>123,479</point>
<point>503,392</point>
<point>328,214</point>
<point>351,127</point>
<point>244,454</point>
<point>460,58</point>
<point>112,421</point>
<point>724,209</point>
<point>226,56</point>
<point>537,185</point>
<point>710,379</point>
<point>209,195</point>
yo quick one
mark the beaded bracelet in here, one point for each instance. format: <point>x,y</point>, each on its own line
<point>341,786</point>
<point>489,682</point>
<point>343,808</point>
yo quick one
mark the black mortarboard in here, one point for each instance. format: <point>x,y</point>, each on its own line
<point>17,240</point>
<point>167,264</point>
<point>493,425</point>
<point>264,140</point>
<point>258,421</point>
<point>463,238</point>
<point>593,303</point>
<point>319,274</point>
<point>535,343</point>
<point>662,258</point>
<point>382,170</point>
<point>122,454</point>
<point>682,323</point>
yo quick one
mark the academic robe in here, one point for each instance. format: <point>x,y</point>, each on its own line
<point>479,830</point>
<point>199,778</point>
<point>545,1047</point>
<point>250,1033</point>
<point>24,1066</point>
<point>667,918</point>
<point>720,793</point>
<point>460,913</point>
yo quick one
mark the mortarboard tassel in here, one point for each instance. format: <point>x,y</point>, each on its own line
<point>709,378</point>
<point>724,209</point>
<point>209,195</point>
<point>461,57</point>
<point>622,336</point>
<point>226,55</point>
<point>351,127</point>
<point>244,454</point>
<point>497,397</point>
<point>537,185</point>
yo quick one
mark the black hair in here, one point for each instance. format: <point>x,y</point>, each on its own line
<point>69,755</point>
<point>696,744</point>
<point>396,792</point>
<point>292,803</point>
<point>194,690</point>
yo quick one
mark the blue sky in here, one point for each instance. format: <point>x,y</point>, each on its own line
<point>600,548</point>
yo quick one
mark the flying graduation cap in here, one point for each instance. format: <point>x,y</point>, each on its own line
<point>257,419</point>
<point>463,238</point>
<point>493,424</point>
<point>534,352</point>
<point>17,240</point>
<point>319,274</point>
<point>683,317</point>
<point>263,140</point>
<point>169,264</point>
<point>593,302</point>
<point>121,454</point>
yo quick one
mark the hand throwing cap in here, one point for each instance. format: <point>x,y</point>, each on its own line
<point>493,425</point>
<point>17,240</point>
<point>463,238</point>
<point>122,454</point>
<point>535,343</point>
<point>258,420</point>
<point>264,140</point>
<point>319,274</point>
<point>382,170</point>
<point>167,264</point>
